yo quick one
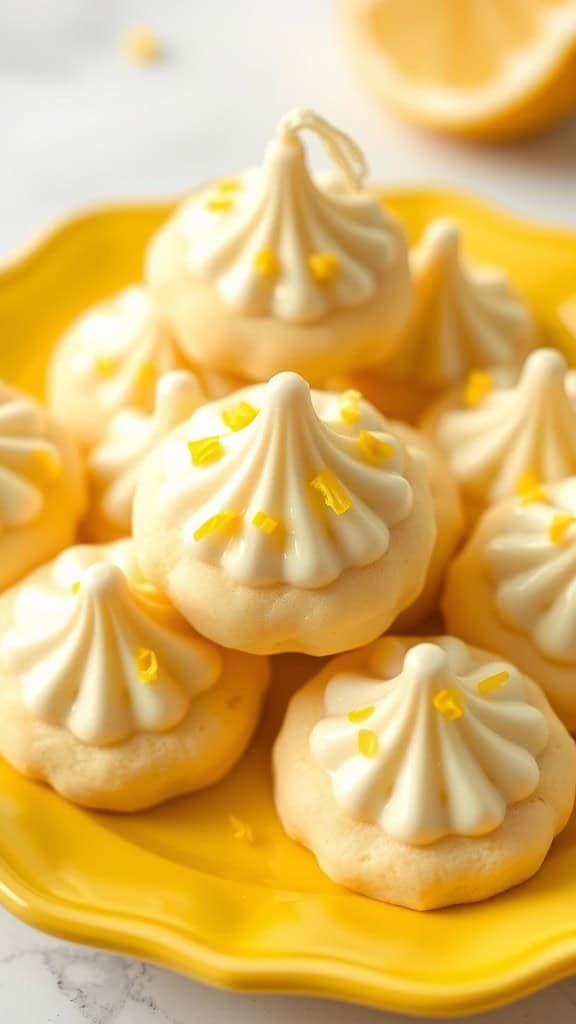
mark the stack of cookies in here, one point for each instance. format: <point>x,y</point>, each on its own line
<point>299,436</point>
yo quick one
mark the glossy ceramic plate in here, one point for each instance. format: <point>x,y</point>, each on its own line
<point>174,885</point>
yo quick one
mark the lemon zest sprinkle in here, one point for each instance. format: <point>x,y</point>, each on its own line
<point>559,527</point>
<point>146,665</point>
<point>373,450</point>
<point>449,703</point>
<point>350,406</point>
<point>230,185</point>
<point>105,365</point>
<point>492,683</point>
<point>205,451</point>
<point>334,494</point>
<point>141,45</point>
<point>75,587</point>
<point>265,522</point>
<point>323,267</point>
<point>367,743</point>
<point>360,715</point>
<point>266,264</point>
<point>238,416</point>
<point>241,829</point>
<point>478,385</point>
<point>219,204</point>
<point>529,488</point>
<point>221,521</point>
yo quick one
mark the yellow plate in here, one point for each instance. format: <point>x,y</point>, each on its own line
<point>173,885</point>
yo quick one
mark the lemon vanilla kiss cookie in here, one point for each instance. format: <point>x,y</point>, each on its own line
<point>280,270</point>
<point>502,433</point>
<point>424,773</point>
<point>514,587</point>
<point>466,318</point>
<point>349,413</point>
<point>108,695</point>
<point>41,486</point>
<point>279,532</point>
<point>109,360</point>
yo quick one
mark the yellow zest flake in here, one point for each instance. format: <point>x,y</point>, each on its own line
<point>449,703</point>
<point>105,365</point>
<point>75,587</point>
<point>478,385</point>
<point>205,451</point>
<point>373,450</point>
<point>367,743</point>
<point>219,204</point>
<point>265,522</point>
<point>335,495</point>
<point>492,683</point>
<point>239,416</point>
<point>350,406</point>
<point>230,185</point>
<point>146,374</point>
<point>221,521</point>
<point>141,45</point>
<point>266,264</point>
<point>529,489</point>
<point>47,462</point>
<point>559,527</point>
<point>146,665</point>
<point>240,829</point>
<point>323,267</point>
<point>360,715</point>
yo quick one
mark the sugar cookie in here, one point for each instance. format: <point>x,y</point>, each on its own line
<point>108,695</point>
<point>424,773</point>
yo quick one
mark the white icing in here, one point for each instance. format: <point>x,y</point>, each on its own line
<point>114,465</point>
<point>269,467</point>
<point>329,406</point>
<point>28,460</point>
<point>431,776</point>
<point>281,209</point>
<point>467,317</point>
<point>528,426</point>
<point>75,652</point>
<point>535,578</point>
<point>121,349</point>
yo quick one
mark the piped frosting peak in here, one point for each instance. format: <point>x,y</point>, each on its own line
<point>429,742</point>
<point>532,561</point>
<point>115,463</point>
<point>278,242</point>
<point>284,498</point>
<point>466,317</point>
<point>29,461</point>
<point>527,427</point>
<point>97,656</point>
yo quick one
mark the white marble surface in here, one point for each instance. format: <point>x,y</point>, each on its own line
<point>81,125</point>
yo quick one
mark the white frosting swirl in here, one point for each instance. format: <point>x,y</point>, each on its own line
<point>29,462</point>
<point>328,505</point>
<point>466,317</point>
<point>533,564</point>
<point>114,465</point>
<point>120,349</point>
<point>97,655</point>
<point>279,242</point>
<point>530,426</point>
<point>422,747</point>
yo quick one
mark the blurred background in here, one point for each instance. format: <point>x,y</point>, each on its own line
<point>115,99</point>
